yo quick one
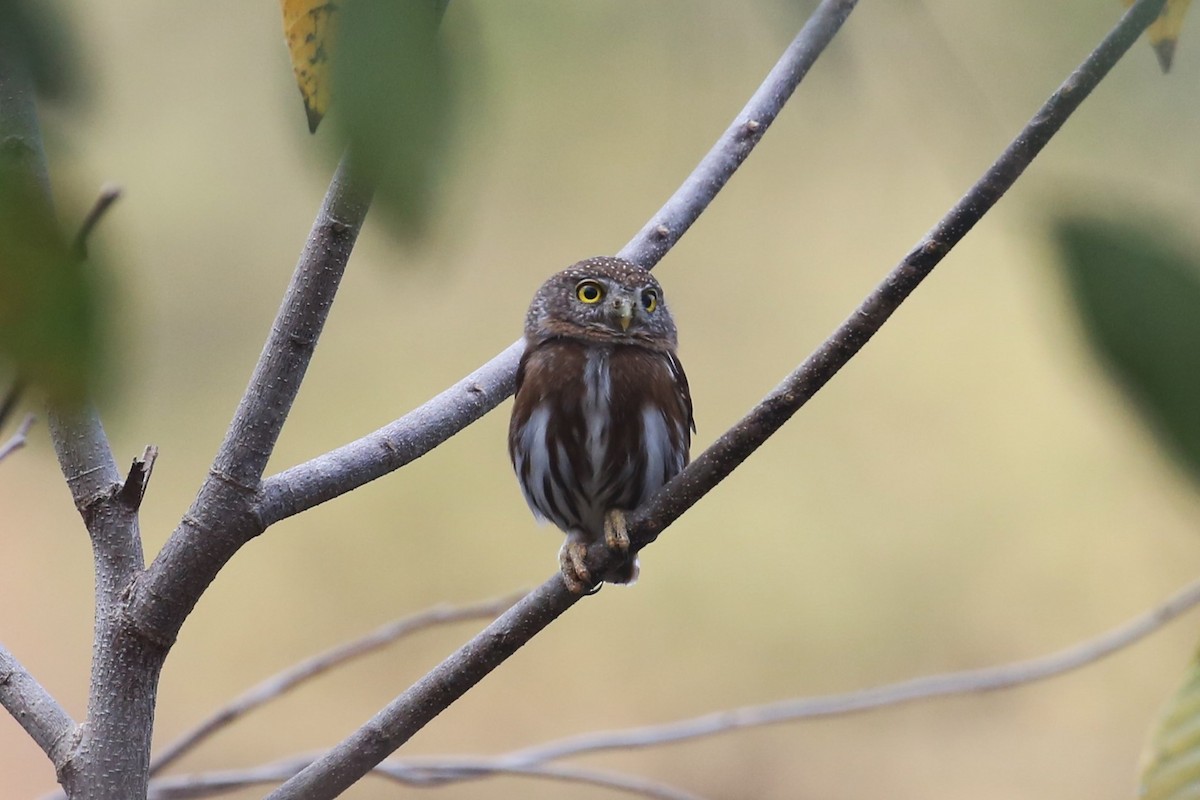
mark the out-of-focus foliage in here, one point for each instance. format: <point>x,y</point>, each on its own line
<point>1164,32</point>
<point>1137,290</point>
<point>48,307</point>
<point>308,26</point>
<point>37,34</point>
<point>1171,763</point>
<point>392,81</point>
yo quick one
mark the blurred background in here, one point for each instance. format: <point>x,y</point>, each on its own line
<point>971,490</point>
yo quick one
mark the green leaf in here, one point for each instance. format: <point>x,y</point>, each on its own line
<point>1137,291</point>
<point>48,309</point>
<point>1171,763</point>
<point>39,35</point>
<point>392,91</point>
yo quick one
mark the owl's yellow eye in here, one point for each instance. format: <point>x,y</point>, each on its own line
<point>589,291</point>
<point>649,300</point>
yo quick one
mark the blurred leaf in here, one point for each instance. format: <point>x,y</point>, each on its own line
<point>44,42</point>
<point>1164,31</point>
<point>308,26</point>
<point>47,300</point>
<point>1138,294</point>
<point>1171,761</point>
<point>392,82</point>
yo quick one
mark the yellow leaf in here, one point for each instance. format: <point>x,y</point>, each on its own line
<point>309,28</point>
<point>1164,31</point>
<point>1171,763</point>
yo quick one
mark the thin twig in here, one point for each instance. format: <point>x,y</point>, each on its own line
<point>9,404</point>
<point>306,670</point>
<point>18,439</point>
<point>426,772</point>
<point>46,722</point>
<point>536,760</point>
<point>391,447</point>
<point>358,753</point>
<point>109,194</point>
<point>436,772</point>
<point>976,681</point>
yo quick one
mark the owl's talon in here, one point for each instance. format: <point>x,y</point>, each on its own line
<point>616,532</point>
<point>572,559</point>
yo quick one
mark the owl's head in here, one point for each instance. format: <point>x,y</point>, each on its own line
<point>602,299</point>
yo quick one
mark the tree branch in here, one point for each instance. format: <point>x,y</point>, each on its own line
<point>976,681</point>
<point>536,760</point>
<point>278,685</point>
<point>222,517</point>
<point>426,772</point>
<point>736,444</point>
<point>17,440</point>
<point>356,755</point>
<point>46,722</point>
<point>416,433</point>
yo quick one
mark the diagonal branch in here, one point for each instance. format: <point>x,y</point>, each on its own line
<point>46,722</point>
<point>277,685</point>
<point>356,755</point>
<point>535,761</point>
<point>736,444</point>
<point>416,433</point>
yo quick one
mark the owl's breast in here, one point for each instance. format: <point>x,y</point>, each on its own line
<point>595,427</point>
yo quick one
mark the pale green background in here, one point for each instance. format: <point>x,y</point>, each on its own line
<point>968,492</point>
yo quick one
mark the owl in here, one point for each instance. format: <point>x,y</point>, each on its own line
<point>602,416</point>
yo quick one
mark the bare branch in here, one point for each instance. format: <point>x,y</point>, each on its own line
<point>109,194</point>
<point>46,722</point>
<point>535,761</point>
<point>356,755</point>
<point>17,440</point>
<point>289,679</point>
<point>736,444</point>
<point>109,755</point>
<point>221,518</point>
<point>416,433</point>
<point>426,772</point>
<point>976,681</point>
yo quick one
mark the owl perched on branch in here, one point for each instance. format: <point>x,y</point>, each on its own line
<point>602,416</point>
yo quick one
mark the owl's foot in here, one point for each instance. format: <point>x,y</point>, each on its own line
<point>616,532</point>
<point>571,559</point>
<point>616,539</point>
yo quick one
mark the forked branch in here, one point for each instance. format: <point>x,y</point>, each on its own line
<point>416,433</point>
<point>391,727</point>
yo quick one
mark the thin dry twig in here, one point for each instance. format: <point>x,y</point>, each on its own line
<point>976,681</point>
<point>109,194</point>
<point>287,680</point>
<point>426,772</point>
<point>18,439</point>
<point>358,753</point>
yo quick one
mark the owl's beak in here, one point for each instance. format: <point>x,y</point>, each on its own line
<point>623,311</point>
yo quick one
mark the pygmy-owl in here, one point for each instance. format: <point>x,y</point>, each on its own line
<point>602,416</point>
